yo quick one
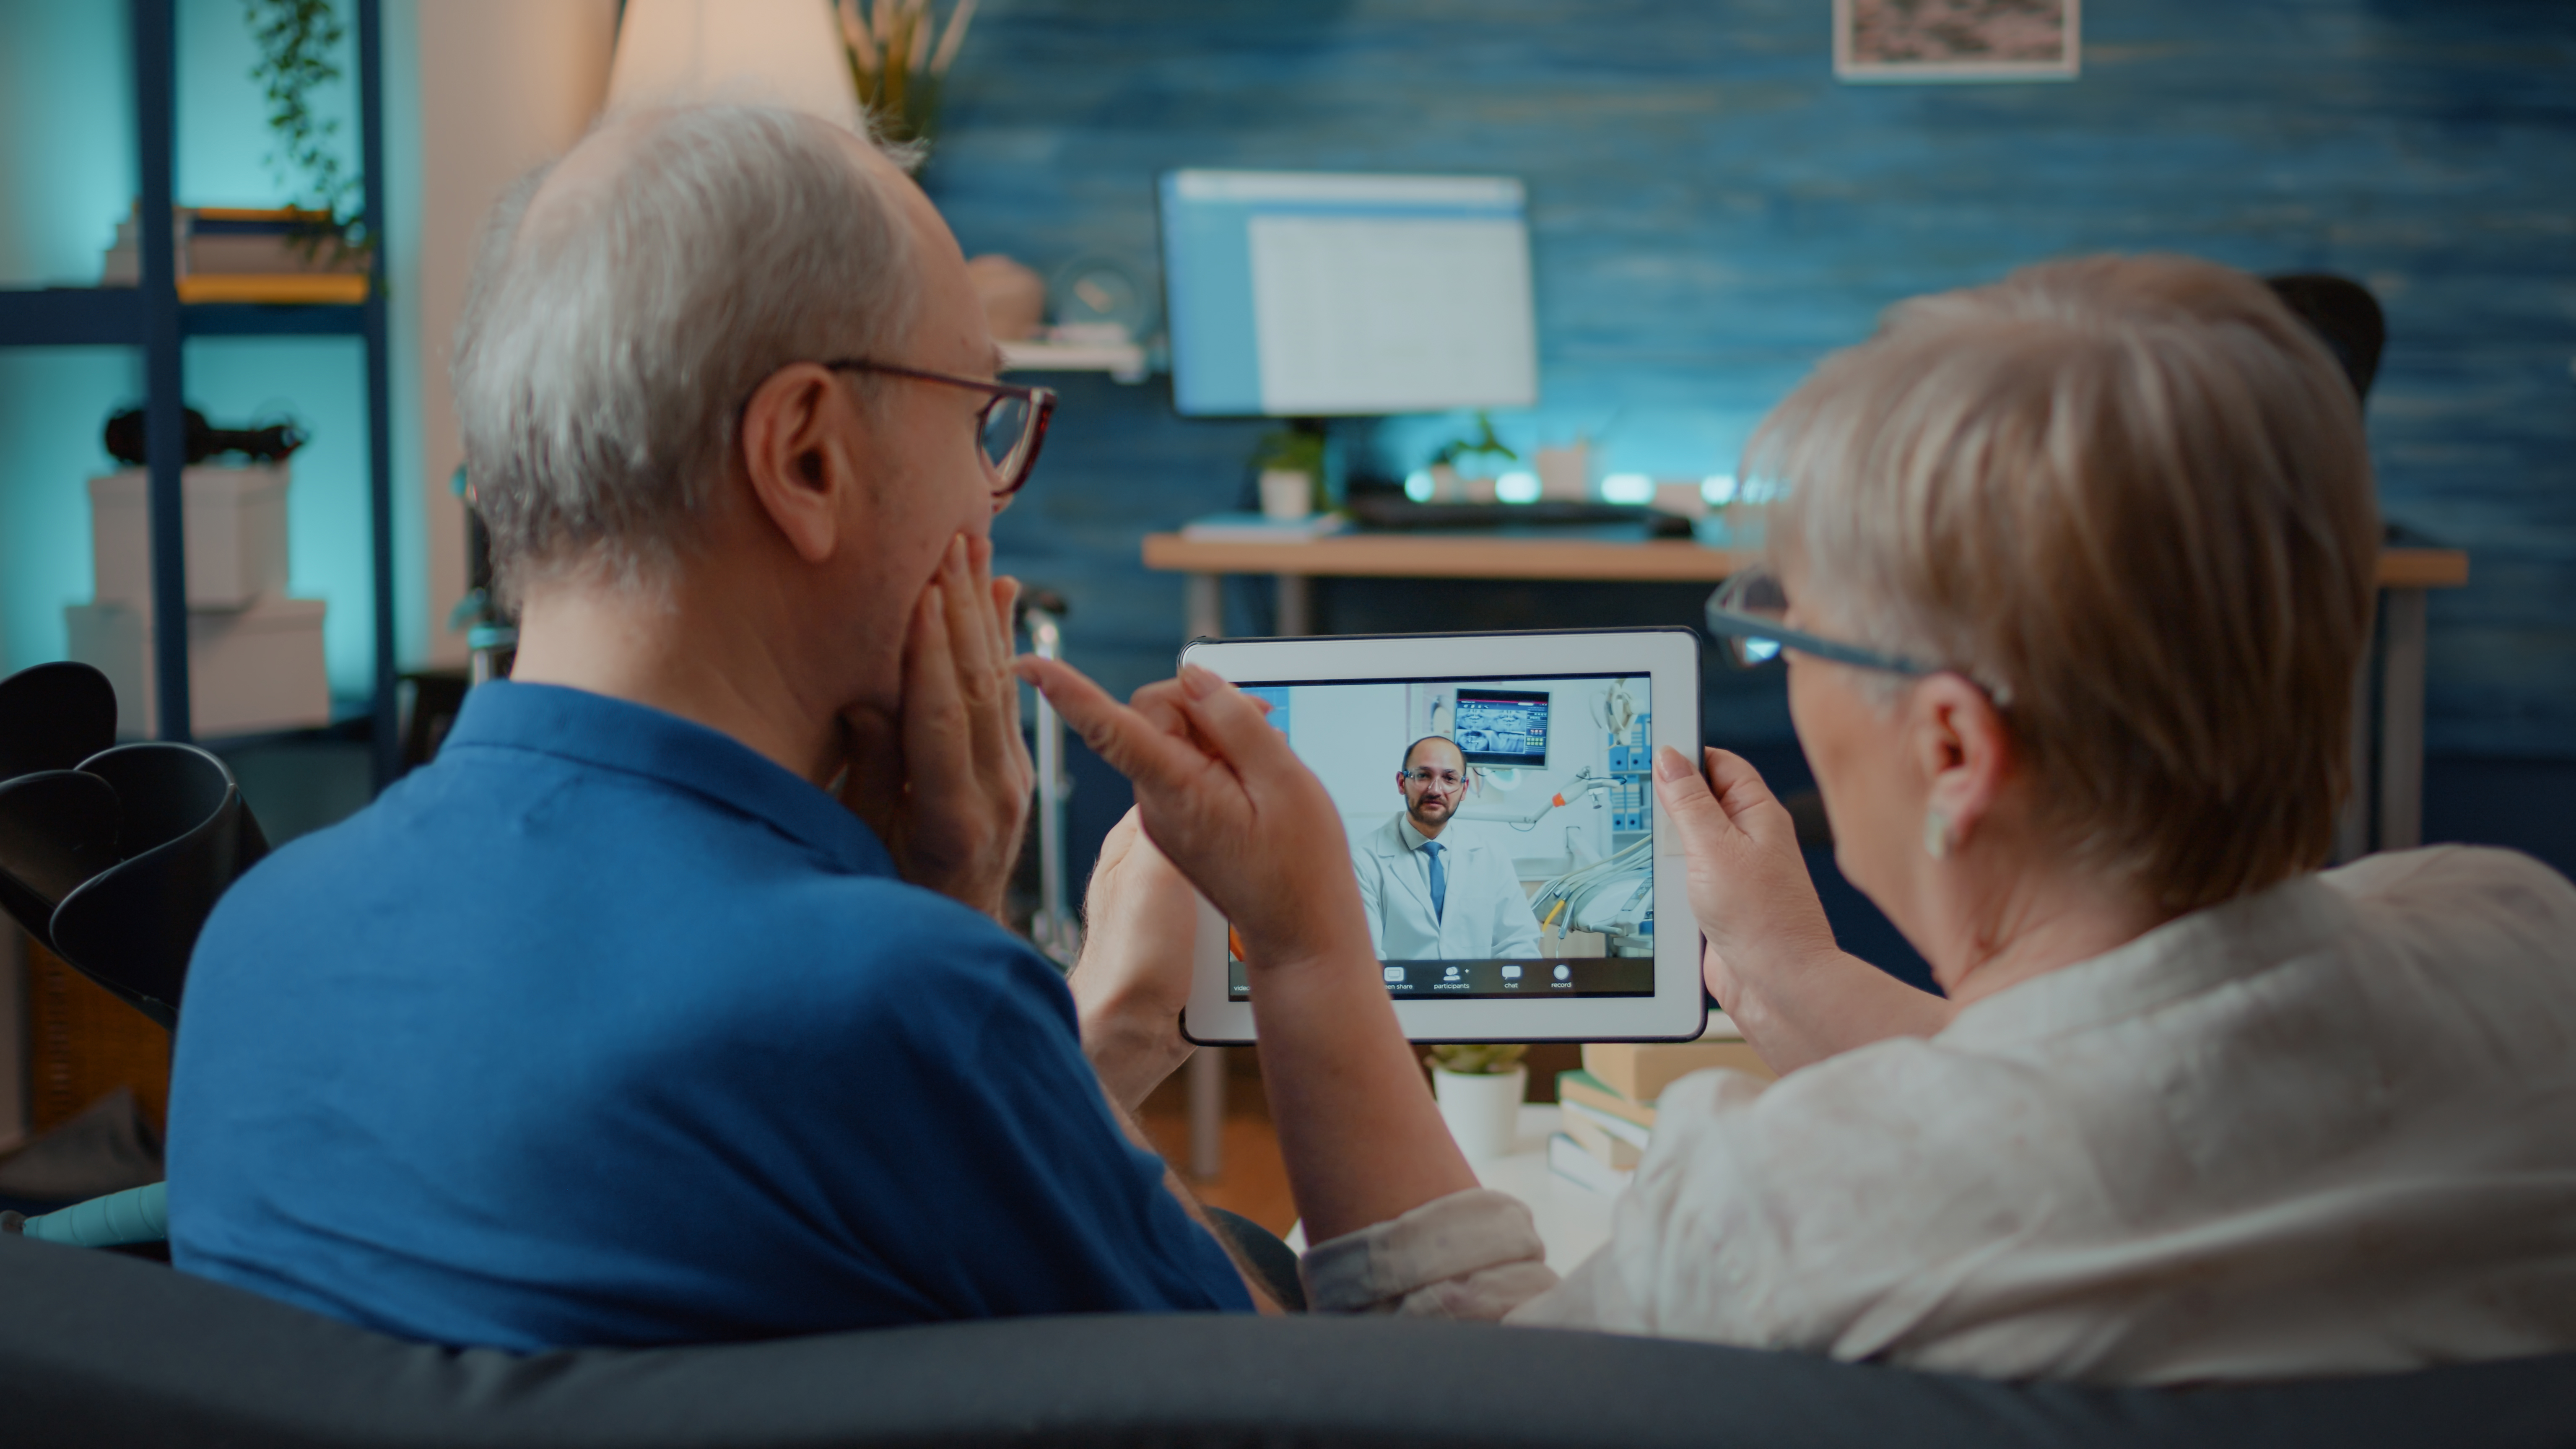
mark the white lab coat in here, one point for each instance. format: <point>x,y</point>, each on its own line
<point>1487,914</point>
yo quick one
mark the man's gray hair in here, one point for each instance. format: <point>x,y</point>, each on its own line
<point>605,353</point>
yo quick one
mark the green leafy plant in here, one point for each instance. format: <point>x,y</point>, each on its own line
<point>296,39</point>
<point>1291,450</point>
<point>1472,1060</point>
<point>899,58</point>
<point>1480,444</point>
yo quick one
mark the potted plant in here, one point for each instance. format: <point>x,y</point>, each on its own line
<point>1446,484</point>
<point>1291,464</point>
<point>1480,1089</point>
<point>899,58</point>
<point>296,41</point>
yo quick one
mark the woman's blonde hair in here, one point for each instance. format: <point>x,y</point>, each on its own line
<point>2131,498</point>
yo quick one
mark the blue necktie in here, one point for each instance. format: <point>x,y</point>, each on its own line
<point>1439,881</point>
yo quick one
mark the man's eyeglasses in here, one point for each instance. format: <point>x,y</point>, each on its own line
<point>1745,613</point>
<point>1446,779</point>
<point>1012,424</point>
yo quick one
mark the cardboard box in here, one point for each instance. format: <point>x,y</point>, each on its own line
<point>1639,1071</point>
<point>236,532</point>
<point>249,670</point>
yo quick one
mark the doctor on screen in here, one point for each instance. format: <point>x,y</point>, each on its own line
<point>1436,899</point>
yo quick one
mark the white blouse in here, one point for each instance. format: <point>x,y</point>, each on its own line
<point>2329,1128</point>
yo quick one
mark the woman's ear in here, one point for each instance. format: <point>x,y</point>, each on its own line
<point>798,438</point>
<point>1965,750</point>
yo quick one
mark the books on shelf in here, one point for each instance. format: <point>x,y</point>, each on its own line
<point>239,254</point>
<point>1261,528</point>
<point>1589,1090</point>
<point>1617,1142</point>
<point>1567,1159</point>
<point>1607,1109</point>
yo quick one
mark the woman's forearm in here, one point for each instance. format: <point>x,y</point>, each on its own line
<point>1362,1139</point>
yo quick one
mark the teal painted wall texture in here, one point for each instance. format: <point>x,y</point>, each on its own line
<point>1712,212</point>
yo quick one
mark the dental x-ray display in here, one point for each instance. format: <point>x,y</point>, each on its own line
<point>1500,829</point>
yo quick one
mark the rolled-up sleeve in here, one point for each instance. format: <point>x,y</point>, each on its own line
<point>1470,1255</point>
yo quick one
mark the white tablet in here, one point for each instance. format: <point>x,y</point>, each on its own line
<point>1520,881</point>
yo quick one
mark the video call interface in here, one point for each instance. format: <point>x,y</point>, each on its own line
<point>1501,829</point>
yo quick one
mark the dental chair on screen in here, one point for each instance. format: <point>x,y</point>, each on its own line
<point>111,856</point>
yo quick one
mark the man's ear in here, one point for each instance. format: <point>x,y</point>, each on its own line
<point>796,455</point>
<point>1964,748</point>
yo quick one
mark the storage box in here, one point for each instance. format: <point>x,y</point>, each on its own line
<point>236,531</point>
<point>249,670</point>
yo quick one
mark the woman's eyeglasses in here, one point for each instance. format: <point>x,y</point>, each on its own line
<point>1012,425</point>
<point>1745,616</point>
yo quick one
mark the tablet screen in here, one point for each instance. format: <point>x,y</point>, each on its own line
<point>1501,828</point>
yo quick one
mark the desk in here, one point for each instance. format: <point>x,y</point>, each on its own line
<point>1573,1220</point>
<point>2405,575</point>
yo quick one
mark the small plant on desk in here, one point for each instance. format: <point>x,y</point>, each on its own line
<point>1480,1089</point>
<point>1291,464</point>
<point>1481,444</point>
<point>1467,1060</point>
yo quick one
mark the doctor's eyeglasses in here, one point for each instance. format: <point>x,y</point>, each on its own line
<point>1447,779</point>
<point>1012,425</point>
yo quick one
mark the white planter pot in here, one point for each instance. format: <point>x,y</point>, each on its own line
<point>1287,494</point>
<point>1482,1109</point>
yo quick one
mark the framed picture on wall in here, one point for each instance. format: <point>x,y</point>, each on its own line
<point>1956,40</point>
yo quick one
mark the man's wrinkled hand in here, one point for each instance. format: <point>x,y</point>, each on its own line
<point>946,783</point>
<point>1140,927</point>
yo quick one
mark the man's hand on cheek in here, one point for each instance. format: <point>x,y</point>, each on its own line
<point>946,785</point>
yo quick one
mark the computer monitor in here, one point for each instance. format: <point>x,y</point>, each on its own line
<point>1312,294</point>
<point>1505,727</point>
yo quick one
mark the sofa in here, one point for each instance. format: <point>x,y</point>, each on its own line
<point>101,1349</point>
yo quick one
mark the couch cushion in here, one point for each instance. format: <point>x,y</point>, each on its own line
<point>100,1349</point>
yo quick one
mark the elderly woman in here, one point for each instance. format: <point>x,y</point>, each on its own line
<point>2073,574</point>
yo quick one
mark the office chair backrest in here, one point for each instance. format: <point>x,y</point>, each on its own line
<point>112,855</point>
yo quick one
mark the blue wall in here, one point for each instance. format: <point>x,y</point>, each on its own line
<point>67,175</point>
<point>1712,212</point>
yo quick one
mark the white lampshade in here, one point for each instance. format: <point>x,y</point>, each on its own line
<point>754,52</point>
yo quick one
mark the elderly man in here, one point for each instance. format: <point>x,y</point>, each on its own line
<point>614,1025</point>
<point>1435,896</point>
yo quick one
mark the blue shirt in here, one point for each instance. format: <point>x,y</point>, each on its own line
<point>604,1029</point>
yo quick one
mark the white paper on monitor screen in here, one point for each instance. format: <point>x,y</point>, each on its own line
<point>1399,314</point>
